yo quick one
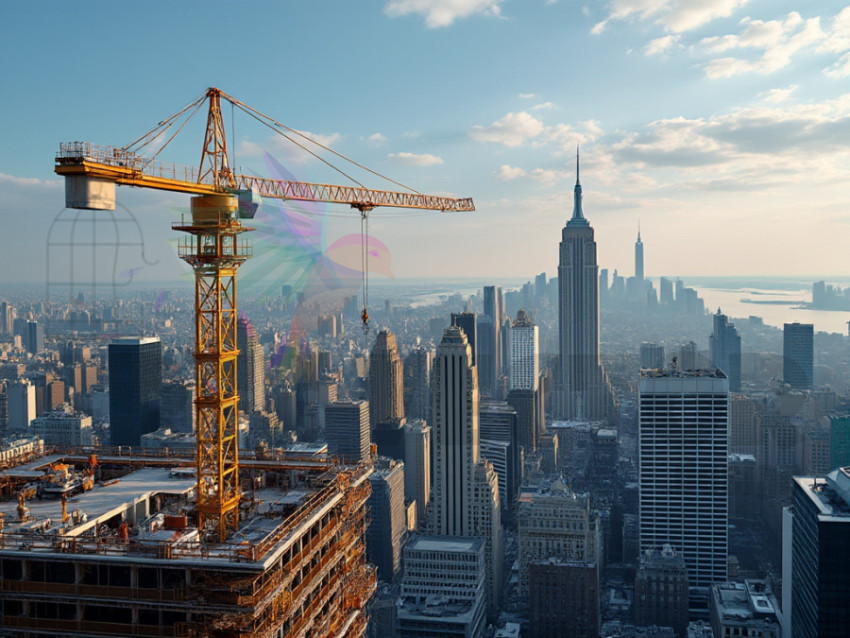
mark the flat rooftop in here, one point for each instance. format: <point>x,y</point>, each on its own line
<point>445,544</point>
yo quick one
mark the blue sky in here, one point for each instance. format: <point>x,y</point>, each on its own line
<point>722,126</point>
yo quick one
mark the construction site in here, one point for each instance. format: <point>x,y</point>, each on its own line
<point>108,545</point>
<point>214,541</point>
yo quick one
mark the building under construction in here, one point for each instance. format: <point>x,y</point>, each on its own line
<point>109,545</point>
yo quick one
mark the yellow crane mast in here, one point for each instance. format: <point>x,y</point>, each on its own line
<point>215,250</point>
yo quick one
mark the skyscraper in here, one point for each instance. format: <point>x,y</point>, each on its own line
<point>347,430</point>
<point>639,258</point>
<point>466,322</point>
<point>386,397</point>
<point>417,383</point>
<point>386,530</point>
<point>815,548</point>
<point>585,391</point>
<point>135,381</point>
<point>523,365</point>
<point>490,339</point>
<point>250,368</point>
<point>725,344</point>
<point>34,337</point>
<point>683,442</point>
<point>417,466</point>
<point>465,495</point>
<point>798,355</point>
<point>651,355</point>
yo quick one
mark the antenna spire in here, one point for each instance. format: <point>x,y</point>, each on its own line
<point>578,218</point>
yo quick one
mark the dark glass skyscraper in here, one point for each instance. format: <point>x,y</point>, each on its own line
<point>386,400</point>
<point>798,355</point>
<point>466,322</point>
<point>135,381</point>
<point>725,344</point>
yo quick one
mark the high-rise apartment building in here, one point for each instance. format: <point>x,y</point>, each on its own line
<point>725,345</point>
<point>684,444</point>
<point>498,424</point>
<point>798,355</point>
<point>465,494</point>
<point>34,337</point>
<point>523,365</point>
<point>135,381</point>
<point>817,550</point>
<point>387,526</point>
<point>250,368</point>
<point>585,391</point>
<point>386,397</point>
<point>347,430</point>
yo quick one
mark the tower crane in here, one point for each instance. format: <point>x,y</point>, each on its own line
<point>215,250</point>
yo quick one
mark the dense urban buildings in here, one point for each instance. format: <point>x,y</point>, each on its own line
<point>135,380</point>
<point>683,442</point>
<point>798,355</point>
<point>584,388</point>
<point>661,590</point>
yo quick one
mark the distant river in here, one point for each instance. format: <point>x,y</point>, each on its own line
<point>729,293</point>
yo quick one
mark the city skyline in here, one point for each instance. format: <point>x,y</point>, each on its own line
<point>735,119</point>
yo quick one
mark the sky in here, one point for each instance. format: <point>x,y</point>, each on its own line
<point>720,127</point>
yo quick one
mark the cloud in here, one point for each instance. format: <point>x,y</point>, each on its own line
<point>527,96</point>
<point>513,130</point>
<point>442,13</point>
<point>507,173</point>
<point>777,96</point>
<point>376,139</point>
<point>517,129</point>
<point>544,106</point>
<point>676,16</point>
<point>750,148</point>
<point>661,45</point>
<point>414,159</point>
<point>31,181</point>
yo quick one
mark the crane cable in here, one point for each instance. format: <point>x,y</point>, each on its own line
<point>364,264</point>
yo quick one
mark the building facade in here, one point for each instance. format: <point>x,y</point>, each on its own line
<point>683,442</point>
<point>250,368</point>
<point>387,525</point>
<point>725,346</point>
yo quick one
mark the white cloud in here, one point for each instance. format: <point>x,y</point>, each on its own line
<point>677,16</point>
<point>31,181</point>
<point>414,159</point>
<point>661,45</point>
<point>507,173</point>
<point>544,106</point>
<point>442,13</point>
<point>768,46</point>
<point>376,139</point>
<point>513,130</point>
<point>777,96</point>
<point>527,96</point>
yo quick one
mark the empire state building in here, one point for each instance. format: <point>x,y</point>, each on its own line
<point>585,390</point>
